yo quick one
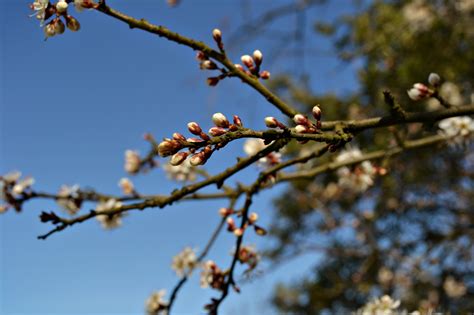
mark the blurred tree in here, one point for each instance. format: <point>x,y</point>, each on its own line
<point>411,234</point>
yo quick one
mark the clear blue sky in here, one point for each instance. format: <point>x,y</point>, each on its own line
<point>71,106</point>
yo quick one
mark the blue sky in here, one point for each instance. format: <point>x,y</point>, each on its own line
<point>71,106</point>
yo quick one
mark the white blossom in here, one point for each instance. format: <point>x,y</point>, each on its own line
<point>68,196</point>
<point>132,161</point>
<point>380,306</point>
<point>465,6</point>
<point>358,178</point>
<point>61,6</point>
<point>127,186</point>
<point>207,273</point>
<point>184,263</point>
<point>182,173</point>
<point>459,129</point>
<point>11,177</point>
<point>40,7</point>
<point>418,15</point>
<point>155,303</point>
<point>23,185</point>
<point>451,93</point>
<point>109,221</point>
<point>453,288</point>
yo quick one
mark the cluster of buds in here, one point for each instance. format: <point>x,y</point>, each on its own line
<point>156,304</point>
<point>212,276</point>
<point>231,226</point>
<point>13,189</point>
<point>172,146</point>
<point>253,64</point>
<point>249,256</point>
<point>305,125</point>
<point>207,64</point>
<point>56,13</point>
<point>420,91</point>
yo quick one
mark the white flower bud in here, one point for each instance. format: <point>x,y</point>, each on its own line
<point>126,185</point>
<point>217,35</point>
<point>265,75</point>
<point>61,6</point>
<point>217,131</point>
<point>220,120</point>
<point>247,61</point>
<point>418,92</point>
<point>197,159</point>
<point>300,119</point>
<point>434,79</point>
<point>258,57</point>
<point>301,129</point>
<point>194,128</point>
<point>316,112</point>
<point>271,122</point>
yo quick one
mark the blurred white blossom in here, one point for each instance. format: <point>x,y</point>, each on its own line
<point>40,7</point>
<point>358,178</point>
<point>69,198</point>
<point>380,306</point>
<point>155,304</point>
<point>451,93</point>
<point>460,129</point>
<point>184,263</point>
<point>21,186</point>
<point>109,221</point>
<point>453,288</point>
<point>132,161</point>
<point>182,172</point>
<point>253,146</point>
<point>127,186</point>
<point>418,15</point>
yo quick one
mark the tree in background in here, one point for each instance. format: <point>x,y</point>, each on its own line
<point>380,181</point>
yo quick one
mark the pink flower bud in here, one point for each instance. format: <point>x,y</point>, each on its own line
<point>230,224</point>
<point>197,159</point>
<point>212,81</point>
<point>237,121</point>
<point>224,212</point>
<point>72,24</point>
<point>178,158</point>
<point>168,147</point>
<point>301,129</point>
<point>238,232</point>
<point>316,112</point>
<point>220,120</point>
<point>194,140</point>
<point>179,137</point>
<point>204,136</point>
<point>258,57</point>
<point>271,122</point>
<point>217,35</point>
<point>239,67</point>
<point>201,56</point>
<point>265,75</point>
<point>217,131</point>
<point>419,91</point>
<point>194,128</point>
<point>301,120</point>
<point>253,217</point>
<point>247,61</point>
<point>208,65</point>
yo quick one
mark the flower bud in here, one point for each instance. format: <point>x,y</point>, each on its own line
<point>197,159</point>
<point>247,61</point>
<point>59,26</point>
<point>316,112</point>
<point>201,56</point>
<point>237,121</point>
<point>168,147</point>
<point>127,186</point>
<point>301,129</point>
<point>418,92</point>
<point>224,212</point>
<point>208,65</point>
<point>220,120</point>
<point>259,230</point>
<point>212,81</point>
<point>50,30</point>
<point>217,35</point>
<point>271,122</point>
<point>239,67</point>
<point>253,217</point>
<point>179,137</point>
<point>258,57</point>
<point>238,232</point>
<point>61,6</point>
<point>178,158</point>
<point>72,24</point>
<point>194,128</point>
<point>434,79</point>
<point>194,140</point>
<point>217,131</point>
<point>300,119</point>
<point>265,75</point>
<point>230,224</point>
